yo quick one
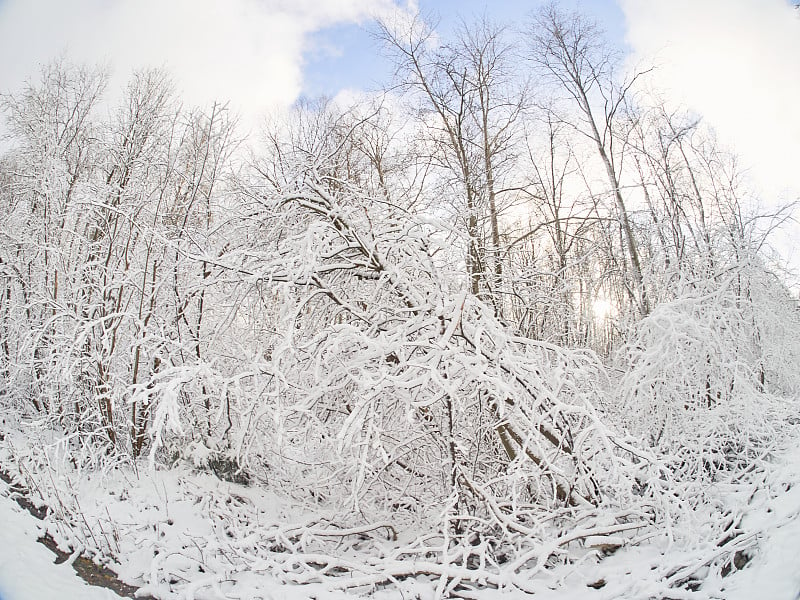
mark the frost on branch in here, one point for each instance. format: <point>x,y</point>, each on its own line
<point>711,373</point>
<point>401,397</point>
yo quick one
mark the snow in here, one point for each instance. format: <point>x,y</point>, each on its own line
<point>27,570</point>
<point>774,573</point>
<point>321,410</point>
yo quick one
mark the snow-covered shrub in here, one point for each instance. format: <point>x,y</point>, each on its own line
<point>395,395</point>
<point>708,373</point>
<point>775,319</point>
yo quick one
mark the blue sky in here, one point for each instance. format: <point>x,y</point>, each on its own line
<point>736,62</point>
<point>346,55</point>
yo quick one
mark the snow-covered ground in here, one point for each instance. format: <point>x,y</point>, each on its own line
<point>184,557</point>
<point>27,570</point>
<point>774,572</point>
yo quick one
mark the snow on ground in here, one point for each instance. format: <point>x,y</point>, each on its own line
<point>181,534</point>
<point>27,570</point>
<point>774,572</point>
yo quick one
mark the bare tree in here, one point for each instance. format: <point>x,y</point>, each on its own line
<point>54,162</point>
<point>472,109</point>
<point>550,252</point>
<point>568,49</point>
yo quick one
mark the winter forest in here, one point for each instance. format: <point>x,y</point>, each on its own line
<point>512,326</point>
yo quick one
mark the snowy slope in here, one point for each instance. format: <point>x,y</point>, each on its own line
<point>774,572</point>
<point>772,517</point>
<point>27,570</point>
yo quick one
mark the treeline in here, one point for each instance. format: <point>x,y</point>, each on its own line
<point>512,285</point>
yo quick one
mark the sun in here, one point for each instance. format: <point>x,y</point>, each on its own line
<point>602,309</point>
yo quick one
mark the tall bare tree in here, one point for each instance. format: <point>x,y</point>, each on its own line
<point>569,50</point>
<point>472,108</point>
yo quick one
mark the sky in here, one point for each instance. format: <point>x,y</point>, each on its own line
<point>257,53</point>
<point>347,56</point>
<point>736,62</point>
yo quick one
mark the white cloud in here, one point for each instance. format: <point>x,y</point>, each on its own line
<point>248,51</point>
<point>736,62</point>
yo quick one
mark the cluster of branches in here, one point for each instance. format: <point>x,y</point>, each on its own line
<point>97,297</point>
<point>407,308</point>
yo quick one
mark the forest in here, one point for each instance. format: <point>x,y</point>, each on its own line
<point>510,315</point>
